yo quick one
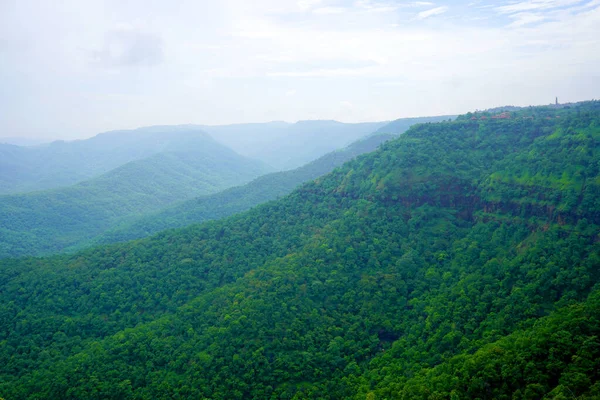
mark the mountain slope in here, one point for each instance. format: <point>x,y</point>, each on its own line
<point>237,199</point>
<point>351,286</point>
<point>59,164</point>
<point>50,221</point>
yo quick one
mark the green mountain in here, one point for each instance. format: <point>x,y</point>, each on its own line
<point>53,220</point>
<point>457,261</point>
<point>61,164</point>
<point>262,189</point>
<point>237,199</point>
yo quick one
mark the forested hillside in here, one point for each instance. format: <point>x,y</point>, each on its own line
<point>60,163</point>
<point>238,199</point>
<point>53,220</point>
<point>457,261</point>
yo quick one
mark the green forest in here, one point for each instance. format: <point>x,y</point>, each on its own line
<point>53,220</point>
<point>457,261</point>
<point>64,163</point>
<point>237,199</point>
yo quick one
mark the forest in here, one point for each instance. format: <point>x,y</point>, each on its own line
<point>237,199</point>
<point>459,260</point>
<point>54,220</point>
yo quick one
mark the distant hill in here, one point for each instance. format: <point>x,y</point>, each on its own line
<point>401,125</point>
<point>49,221</point>
<point>286,146</point>
<point>240,198</point>
<point>60,163</point>
<point>22,141</point>
<point>282,145</point>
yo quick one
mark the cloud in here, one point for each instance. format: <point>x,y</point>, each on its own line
<point>329,10</point>
<point>321,73</point>
<point>234,61</point>
<point>432,12</point>
<point>531,5</point>
<point>522,19</point>
<point>126,46</point>
<point>306,5</point>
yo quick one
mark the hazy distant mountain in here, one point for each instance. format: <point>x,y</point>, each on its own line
<point>22,141</point>
<point>240,198</point>
<point>286,146</point>
<point>60,163</point>
<point>51,220</point>
<point>260,190</point>
<point>401,125</point>
<point>248,139</point>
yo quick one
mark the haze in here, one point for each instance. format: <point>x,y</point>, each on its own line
<point>72,69</point>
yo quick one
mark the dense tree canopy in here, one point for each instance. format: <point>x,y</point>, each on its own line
<point>240,198</point>
<point>53,220</point>
<point>457,261</point>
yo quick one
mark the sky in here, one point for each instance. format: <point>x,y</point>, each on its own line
<point>71,69</point>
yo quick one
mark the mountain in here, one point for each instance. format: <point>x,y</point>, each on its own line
<point>60,163</point>
<point>248,139</point>
<point>459,260</point>
<point>287,146</point>
<point>53,220</point>
<point>237,199</point>
<point>22,141</point>
<point>401,125</point>
<point>264,188</point>
<point>306,141</point>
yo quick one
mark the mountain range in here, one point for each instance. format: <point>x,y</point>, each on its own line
<point>126,202</point>
<point>192,164</point>
<point>457,261</point>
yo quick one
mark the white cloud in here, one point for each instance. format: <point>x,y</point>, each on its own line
<point>305,5</point>
<point>329,10</point>
<point>522,19</point>
<point>532,5</point>
<point>234,61</point>
<point>432,12</point>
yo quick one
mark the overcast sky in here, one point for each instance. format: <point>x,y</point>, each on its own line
<point>75,68</point>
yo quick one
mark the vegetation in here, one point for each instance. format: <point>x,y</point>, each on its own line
<point>53,220</point>
<point>454,262</point>
<point>238,199</point>
<point>60,164</point>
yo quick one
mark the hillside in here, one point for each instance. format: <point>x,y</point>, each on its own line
<point>61,164</point>
<point>53,220</point>
<point>459,260</point>
<point>237,199</point>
